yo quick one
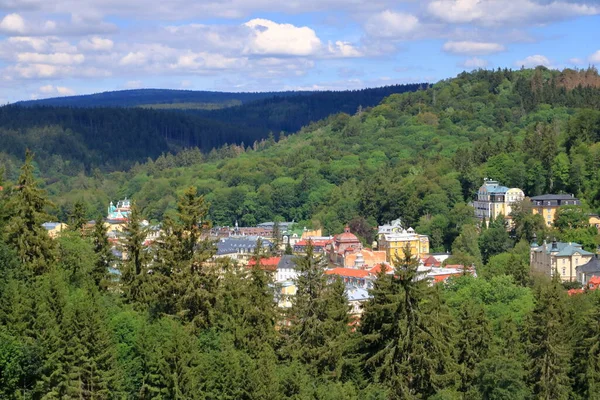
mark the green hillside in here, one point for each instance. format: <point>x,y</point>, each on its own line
<point>416,156</point>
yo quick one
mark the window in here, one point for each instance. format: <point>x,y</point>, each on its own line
<point>564,271</point>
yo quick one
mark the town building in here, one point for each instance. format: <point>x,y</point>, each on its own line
<point>240,248</point>
<point>351,277</point>
<point>356,297</point>
<point>319,246</point>
<point>268,264</point>
<point>588,270</point>
<point>286,269</point>
<point>546,205</point>
<point>393,239</point>
<point>54,228</point>
<point>494,199</point>
<point>364,259</point>
<point>344,244</point>
<point>560,257</point>
<point>594,220</point>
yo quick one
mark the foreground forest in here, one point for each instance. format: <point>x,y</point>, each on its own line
<point>174,326</point>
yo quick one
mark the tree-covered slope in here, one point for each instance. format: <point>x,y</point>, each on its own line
<point>139,97</point>
<point>74,139</point>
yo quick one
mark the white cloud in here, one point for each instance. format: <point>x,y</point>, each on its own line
<point>49,90</point>
<point>343,49</point>
<point>576,61</point>
<point>271,38</point>
<point>595,58</point>
<point>53,58</point>
<point>205,61</point>
<point>37,71</point>
<point>390,24</point>
<point>96,43</point>
<point>133,84</point>
<point>502,12</point>
<point>474,63</point>
<point>134,58</point>
<point>534,61</point>
<point>12,24</point>
<point>473,48</point>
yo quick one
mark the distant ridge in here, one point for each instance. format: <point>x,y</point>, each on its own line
<point>142,97</point>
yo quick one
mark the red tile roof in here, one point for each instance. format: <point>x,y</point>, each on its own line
<point>431,262</point>
<point>441,278</point>
<point>266,262</point>
<point>319,243</point>
<point>354,273</point>
<point>594,280</point>
<point>377,268</point>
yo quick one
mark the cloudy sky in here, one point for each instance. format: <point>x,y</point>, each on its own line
<point>62,47</point>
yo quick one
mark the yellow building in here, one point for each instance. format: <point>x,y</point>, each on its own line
<point>595,221</point>
<point>393,239</point>
<point>54,228</point>
<point>494,200</point>
<point>563,258</point>
<point>547,204</point>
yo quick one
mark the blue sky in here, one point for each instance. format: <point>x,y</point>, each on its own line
<point>64,47</point>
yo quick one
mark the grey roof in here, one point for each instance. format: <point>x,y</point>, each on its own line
<point>592,266</point>
<point>554,197</point>
<point>357,294</point>
<point>246,244</point>
<point>50,225</point>
<point>287,261</point>
<point>563,249</point>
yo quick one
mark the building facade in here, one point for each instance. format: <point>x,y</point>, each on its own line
<point>494,199</point>
<point>547,204</point>
<point>558,257</point>
<point>393,244</point>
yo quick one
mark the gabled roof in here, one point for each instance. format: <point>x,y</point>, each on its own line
<point>377,268</point>
<point>562,249</point>
<point>357,294</point>
<point>592,266</point>
<point>553,197</point>
<point>287,261</point>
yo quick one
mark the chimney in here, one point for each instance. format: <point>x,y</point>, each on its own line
<point>554,244</point>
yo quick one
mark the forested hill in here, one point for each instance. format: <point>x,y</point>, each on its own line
<point>142,97</point>
<point>73,139</point>
<point>420,156</point>
<point>290,113</point>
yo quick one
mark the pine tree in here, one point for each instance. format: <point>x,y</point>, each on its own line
<point>24,230</point>
<point>405,332</point>
<point>104,255</point>
<point>547,344</point>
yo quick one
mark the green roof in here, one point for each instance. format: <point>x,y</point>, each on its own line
<point>564,249</point>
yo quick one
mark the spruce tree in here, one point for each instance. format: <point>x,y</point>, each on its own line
<point>406,334</point>
<point>586,357</point>
<point>24,230</point>
<point>134,271</point>
<point>102,248</point>
<point>315,315</point>
<point>77,218</point>
<point>473,344</point>
<point>547,344</point>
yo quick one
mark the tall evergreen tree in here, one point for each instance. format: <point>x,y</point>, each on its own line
<point>473,344</point>
<point>547,344</point>
<point>102,248</point>
<point>134,272</point>
<point>77,219</point>
<point>407,347</point>
<point>586,357</point>
<point>24,230</point>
